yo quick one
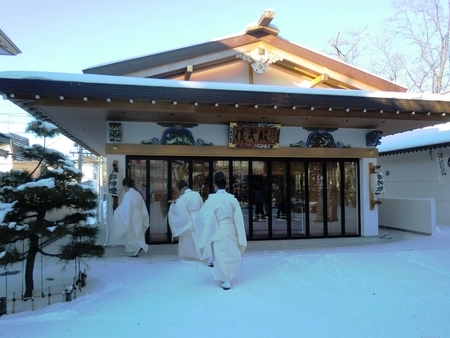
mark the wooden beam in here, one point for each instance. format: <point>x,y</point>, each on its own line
<point>318,80</point>
<point>266,18</point>
<point>188,72</point>
<point>223,151</point>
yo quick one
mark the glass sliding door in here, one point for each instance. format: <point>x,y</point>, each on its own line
<point>138,174</point>
<point>240,188</point>
<point>333,200</point>
<point>298,206</point>
<point>159,202</point>
<point>351,198</point>
<point>223,166</point>
<point>180,170</point>
<point>260,198</point>
<point>279,200</point>
<point>315,199</point>
<point>301,198</point>
<point>137,171</point>
<point>200,177</point>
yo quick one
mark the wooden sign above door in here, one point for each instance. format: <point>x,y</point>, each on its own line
<point>254,135</point>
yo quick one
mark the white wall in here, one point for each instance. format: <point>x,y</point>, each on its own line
<point>411,214</point>
<point>369,218</point>
<point>105,236</point>
<point>415,175</point>
<point>136,132</point>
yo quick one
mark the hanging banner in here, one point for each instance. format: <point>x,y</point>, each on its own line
<point>443,165</point>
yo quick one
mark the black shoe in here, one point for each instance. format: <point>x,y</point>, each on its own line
<point>137,253</point>
<point>225,285</point>
<point>211,265</point>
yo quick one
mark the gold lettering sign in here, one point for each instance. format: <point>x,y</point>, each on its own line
<point>254,135</point>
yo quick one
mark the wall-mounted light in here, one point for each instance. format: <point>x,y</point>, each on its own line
<point>131,100</point>
<point>115,147</point>
<point>85,98</point>
<point>108,99</point>
<point>294,107</point>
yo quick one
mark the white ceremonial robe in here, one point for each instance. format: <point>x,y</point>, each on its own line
<point>220,228</point>
<point>130,221</point>
<point>182,215</point>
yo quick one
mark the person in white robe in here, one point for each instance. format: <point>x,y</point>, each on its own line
<point>131,220</point>
<point>182,214</point>
<point>221,232</point>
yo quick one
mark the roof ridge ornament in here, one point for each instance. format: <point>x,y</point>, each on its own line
<point>259,59</point>
<point>263,24</point>
<point>266,17</point>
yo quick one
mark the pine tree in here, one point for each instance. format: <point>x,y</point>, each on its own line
<point>29,201</point>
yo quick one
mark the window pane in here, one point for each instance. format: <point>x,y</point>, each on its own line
<point>351,198</point>
<point>297,203</point>
<point>240,186</point>
<point>279,197</point>
<point>315,193</point>
<point>260,199</point>
<point>333,210</point>
<point>159,201</point>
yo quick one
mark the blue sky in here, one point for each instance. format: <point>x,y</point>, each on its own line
<point>69,36</point>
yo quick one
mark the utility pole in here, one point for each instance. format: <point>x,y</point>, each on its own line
<point>80,158</point>
<point>98,178</point>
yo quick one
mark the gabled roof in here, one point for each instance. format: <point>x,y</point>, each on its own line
<point>166,65</point>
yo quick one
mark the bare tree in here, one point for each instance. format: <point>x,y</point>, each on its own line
<point>412,48</point>
<point>350,48</point>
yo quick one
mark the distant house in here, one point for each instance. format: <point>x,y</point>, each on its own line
<point>11,146</point>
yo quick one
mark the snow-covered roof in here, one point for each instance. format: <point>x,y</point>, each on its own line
<point>420,139</point>
<point>128,80</point>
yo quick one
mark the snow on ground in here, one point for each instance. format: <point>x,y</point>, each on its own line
<point>394,286</point>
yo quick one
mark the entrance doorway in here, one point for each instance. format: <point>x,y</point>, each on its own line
<point>280,198</point>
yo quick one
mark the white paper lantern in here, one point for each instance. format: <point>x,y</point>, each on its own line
<point>376,183</point>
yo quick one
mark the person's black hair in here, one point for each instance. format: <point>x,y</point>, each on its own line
<point>127,182</point>
<point>219,176</point>
<point>222,184</point>
<point>220,180</point>
<point>182,184</point>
